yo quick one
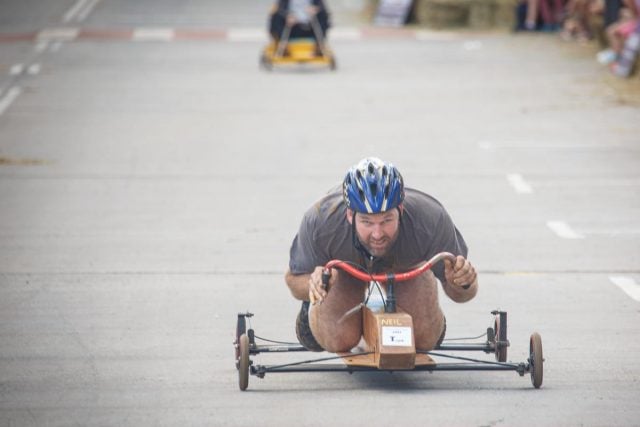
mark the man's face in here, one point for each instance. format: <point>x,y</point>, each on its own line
<point>377,232</point>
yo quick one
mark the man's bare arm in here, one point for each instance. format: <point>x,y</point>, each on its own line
<point>309,287</point>
<point>298,285</point>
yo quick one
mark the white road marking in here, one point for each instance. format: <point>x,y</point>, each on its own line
<point>79,11</point>
<point>346,34</point>
<point>73,10</point>
<point>82,15</point>
<point>519,184</point>
<point>247,35</point>
<point>435,35</point>
<point>486,145</point>
<point>8,98</point>
<point>153,34</point>
<point>628,285</point>
<point>563,230</point>
<point>41,46</point>
<point>472,45</point>
<point>56,46</point>
<point>34,69</point>
<point>16,69</point>
<point>58,34</point>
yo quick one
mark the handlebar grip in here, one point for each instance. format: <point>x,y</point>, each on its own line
<point>326,276</point>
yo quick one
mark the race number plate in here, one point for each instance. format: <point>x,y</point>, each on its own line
<point>399,336</point>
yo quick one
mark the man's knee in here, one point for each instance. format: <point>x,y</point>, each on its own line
<point>430,336</point>
<point>345,340</point>
<point>335,333</point>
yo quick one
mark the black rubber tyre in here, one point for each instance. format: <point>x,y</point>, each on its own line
<point>333,65</point>
<point>501,335</point>
<point>536,359</point>
<point>241,328</point>
<point>243,362</point>
<point>265,63</point>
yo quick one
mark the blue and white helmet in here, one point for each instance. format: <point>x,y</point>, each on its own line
<point>373,186</point>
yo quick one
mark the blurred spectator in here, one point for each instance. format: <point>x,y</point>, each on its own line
<point>619,31</point>
<point>580,14</point>
<point>544,15</point>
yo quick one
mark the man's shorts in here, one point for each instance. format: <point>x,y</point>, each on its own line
<point>308,341</point>
<point>303,330</point>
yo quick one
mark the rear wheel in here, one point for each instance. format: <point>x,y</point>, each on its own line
<point>243,362</point>
<point>501,339</point>
<point>535,359</point>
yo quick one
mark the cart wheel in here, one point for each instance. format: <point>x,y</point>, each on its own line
<point>535,359</point>
<point>265,63</point>
<point>243,362</point>
<point>332,64</point>
<point>500,336</point>
<point>241,328</point>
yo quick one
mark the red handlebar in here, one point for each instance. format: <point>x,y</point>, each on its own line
<point>383,278</point>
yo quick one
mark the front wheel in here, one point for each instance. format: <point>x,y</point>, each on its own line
<point>265,62</point>
<point>333,65</point>
<point>241,328</point>
<point>243,362</point>
<point>535,359</point>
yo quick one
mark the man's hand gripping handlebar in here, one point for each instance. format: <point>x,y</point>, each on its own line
<point>457,270</point>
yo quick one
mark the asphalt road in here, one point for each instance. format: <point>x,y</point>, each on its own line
<point>152,178</point>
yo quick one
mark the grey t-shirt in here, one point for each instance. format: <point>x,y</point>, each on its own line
<point>425,230</point>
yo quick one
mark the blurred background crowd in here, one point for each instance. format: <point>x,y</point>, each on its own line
<point>613,24</point>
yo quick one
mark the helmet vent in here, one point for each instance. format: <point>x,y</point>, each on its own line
<point>374,188</point>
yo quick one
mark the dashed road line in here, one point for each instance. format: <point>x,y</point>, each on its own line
<point>472,45</point>
<point>41,46</point>
<point>346,34</point>
<point>56,46</point>
<point>628,285</point>
<point>246,35</point>
<point>84,13</point>
<point>34,69</point>
<point>8,98</point>
<point>16,69</point>
<point>79,11</point>
<point>519,184</point>
<point>562,229</point>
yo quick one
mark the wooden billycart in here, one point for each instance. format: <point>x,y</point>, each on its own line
<point>389,340</point>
